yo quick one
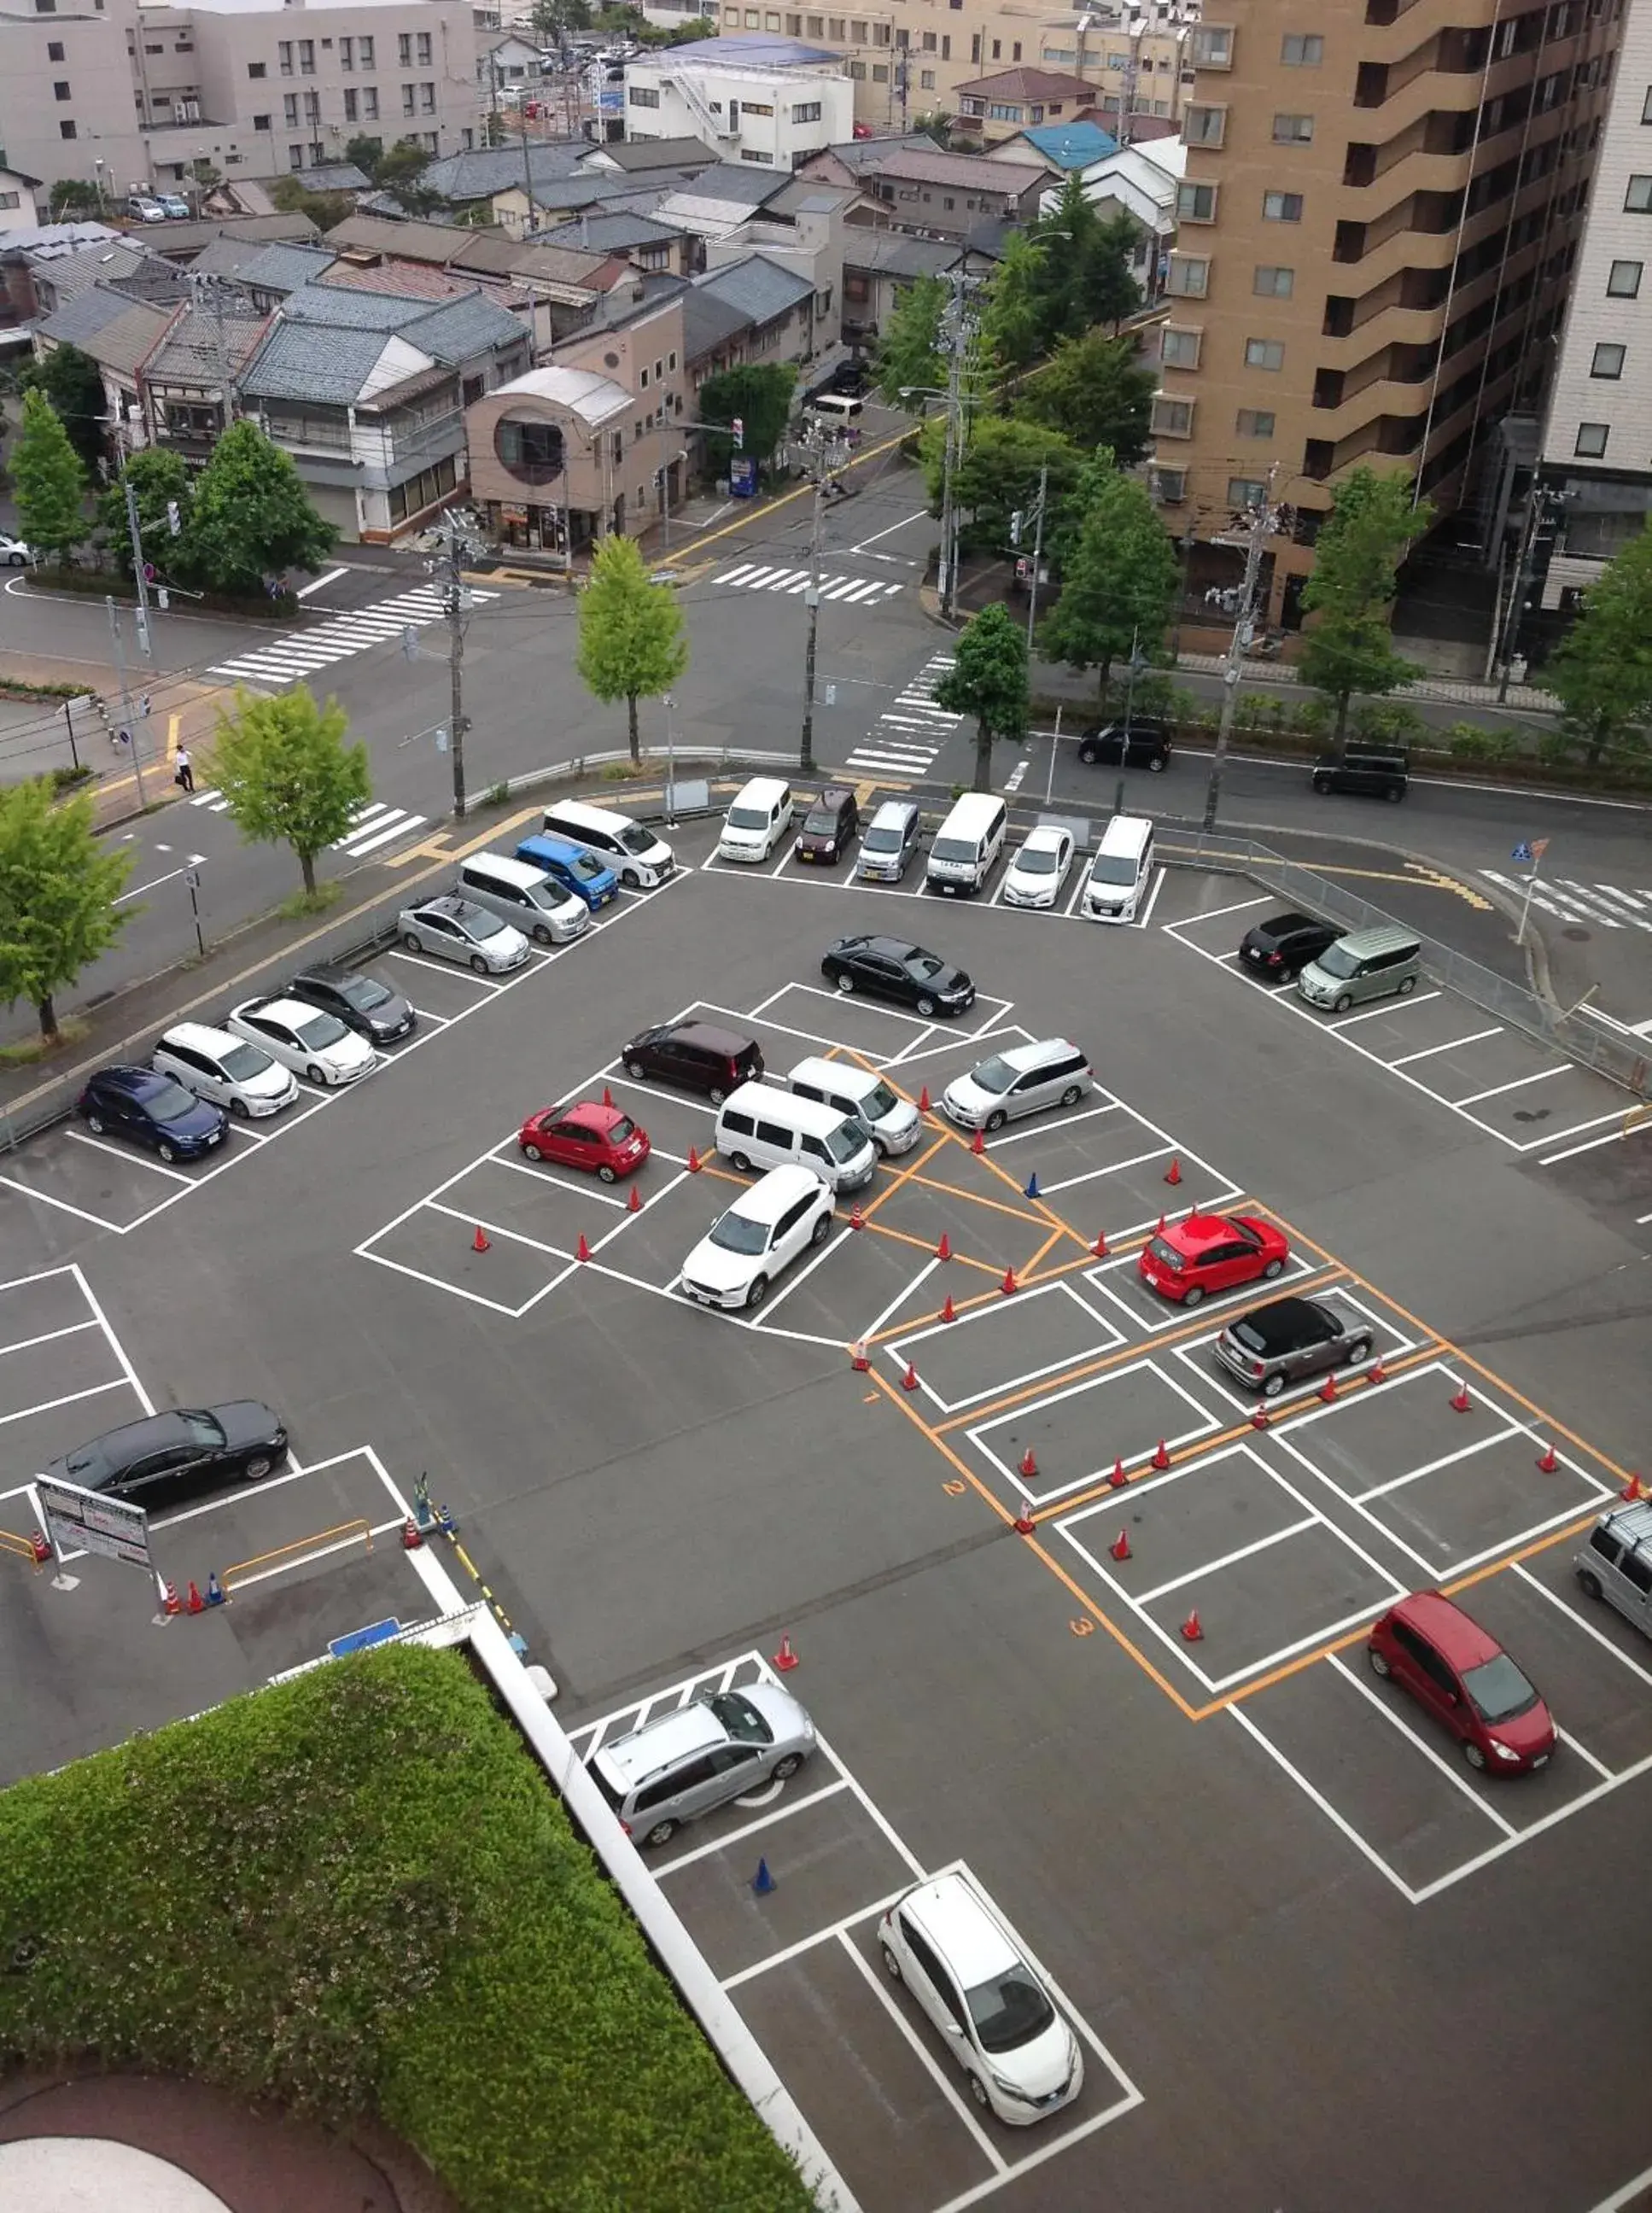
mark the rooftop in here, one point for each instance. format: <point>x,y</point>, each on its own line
<point>755,49</point>
<point>893,253</point>
<point>1069,145</point>
<point>611,233</point>
<point>760,289</point>
<point>595,400</point>
<point>632,154</point>
<point>963,171</point>
<point>1027,84</point>
<point>334,177</point>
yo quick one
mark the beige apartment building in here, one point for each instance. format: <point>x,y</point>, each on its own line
<point>1376,229</point>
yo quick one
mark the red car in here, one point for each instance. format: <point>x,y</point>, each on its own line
<point>599,1139</point>
<point>1211,1253</point>
<point>1464,1677</point>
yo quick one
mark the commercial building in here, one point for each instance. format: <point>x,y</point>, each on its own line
<point>771,103</point>
<point>1376,231</point>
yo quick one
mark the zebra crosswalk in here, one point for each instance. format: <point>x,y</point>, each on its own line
<point>907,737</point>
<point>1605,906</point>
<point>371,826</point>
<point>301,653</point>
<point>856,591</point>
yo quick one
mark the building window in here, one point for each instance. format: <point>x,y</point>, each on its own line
<point>407,100</point>
<point>748,154</point>
<point>261,123</point>
<point>1205,126</point>
<point>1608,361</point>
<point>1178,349</point>
<point>1169,486</point>
<point>1625,282</point>
<point>1646,105</point>
<point>351,115</point>
<point>1638,199</point>
<point>1265,353</point>
<point>1273,283</point>
<point>1302,50</point>
<point>806,111</point>
<point>975,47</point>
<point>313,108</point>
<point>1172,418</point>
<point>424,50</point>
<point>365,49</point>
<point>285,56</point>
<point>1592,440</point>
<point>1196,202</point>
<point>370,103</point>
<point>427,98</point>
<point>926,80</point>
<point>294,157</point>
<point>66,131</point>
<point>879,72</point>
<point>641,95</point>
<point>290,110</point>
<point>404,49</point>
<point>60,89</point>
<point>1253,423</point>
<point>1282,207</point>
<point>54,51</point>
<point>858,70</point>
<point>258,69</point>
<point>307,57</point>
<point>1212,46</point>
<point>1189,277</point>
<point>1245,492</point>
<point>1292,129</point>
<point>346,53</point>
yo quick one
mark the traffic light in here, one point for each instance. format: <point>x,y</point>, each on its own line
<point>737,431</point>
<point>174,520</point>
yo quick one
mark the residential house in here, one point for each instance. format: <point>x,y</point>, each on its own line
<point>766,102</point>
<point>559,200</point>
<point>995,107</point>
<point>638,158</point>
<point>22,252</point>
<point>938,195</point>
<point>717,202</point>
<point>778,304</point>
<point>185,242</point>
<point>645,243</point>
<point>187,380</point>
<point>1062,147</point>
<point>558,287</point>
<point>506,58</point>
<point>878,266</point>
<point>18,210</point>
<point>1142,185</point>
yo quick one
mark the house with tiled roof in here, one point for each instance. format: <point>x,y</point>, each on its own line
<point>994,107</point>
<point>1062,147</point>
<point>920,189</point>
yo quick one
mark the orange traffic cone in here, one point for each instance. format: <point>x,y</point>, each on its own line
<point>857,1220</point>
<point>943,1250</point>
<point>693,1162</point>
<point>480,1243</point>
<point>581,1251</point>
<point>1160,1456</point>
<point>923,1100</point>
<point>1460,1404</point>
<point>1023,1525</point>
<point>1173,1173</point>
<point>946,1311</point>
<point>1632,1491</point>
<point>1029,1464</point>
<point>170,1602</point>
<point>785,1659</point>
<point>1192,1629</point>
<point>978,1144</point>
<point>1328,1390</point>
<point>634,1204</point>
<point>1117,1479</point>
<point>1546,1460</point>
<point>1259,1416</point>
<point>857,1359</point>
<point>909,1381</point>
<point>196,1603</point>
<point>1376,1372</point>
<point>1120,1545</point>
<point>607,1096</point>
<point>1007,1285</point>
<point>1100,1247</point>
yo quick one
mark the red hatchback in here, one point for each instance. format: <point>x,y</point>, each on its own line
<point>1211,1253</point>
<point>1464,1677</point>
<point>599,1139</point>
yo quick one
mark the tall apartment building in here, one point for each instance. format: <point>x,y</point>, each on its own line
<point>1377,224</point>
<point>131,96</point>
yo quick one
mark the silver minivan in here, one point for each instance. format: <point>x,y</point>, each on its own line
<point>760,1126</point>
<point>892,1123</point>
<point>1367,964</point>
<point>889,841</point>
<point>519,893</point>
<point>1022,1081</point>
<point>716,1747</point>
<point>1616,1564</point>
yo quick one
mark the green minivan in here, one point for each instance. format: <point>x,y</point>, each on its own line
<point>1367,964</point>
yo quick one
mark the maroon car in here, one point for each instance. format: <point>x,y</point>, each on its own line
<point>1464,1677</point>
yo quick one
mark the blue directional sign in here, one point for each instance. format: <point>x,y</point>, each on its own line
<point>358,1640</point>
<point>1521,853</point>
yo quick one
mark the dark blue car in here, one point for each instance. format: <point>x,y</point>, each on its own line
<point>573,867</point>
<point>153,1110</point>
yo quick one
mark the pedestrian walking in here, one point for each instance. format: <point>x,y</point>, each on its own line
<point>183,770</point>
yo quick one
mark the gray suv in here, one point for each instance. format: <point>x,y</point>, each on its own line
<point>717,1748</point>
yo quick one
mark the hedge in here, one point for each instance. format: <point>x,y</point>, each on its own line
<point>356,1894</point>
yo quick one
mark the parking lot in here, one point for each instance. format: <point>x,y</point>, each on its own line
<point>1072,1612</point>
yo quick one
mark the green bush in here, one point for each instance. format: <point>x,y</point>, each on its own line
<point>65,778</point>
<point>1468,742</point>
<point>357,1894</point>
<point>1387,723</point>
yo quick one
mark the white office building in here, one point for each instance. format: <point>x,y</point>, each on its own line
<point>771,102</point>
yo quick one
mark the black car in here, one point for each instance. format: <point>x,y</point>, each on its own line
<point>1366,771</point>
<point>1282,947</point>
<point>1291,1340</point>
<point>889,968</point>
<point>364,1005</point>
<point>829,826</point>
<point>153,1109</point>
<point>1142,742</point>
<point>178,1454</point>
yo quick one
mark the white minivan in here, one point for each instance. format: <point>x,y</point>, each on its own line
<point>892,1123</point>
<point>759,817</point>
<point>1119,873</point>
<point>967,843</point>
<point>760,1126</point>
<point>638,857</point>
<point>226,1071</point>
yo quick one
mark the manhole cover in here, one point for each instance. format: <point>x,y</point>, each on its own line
<point>1578,934</point>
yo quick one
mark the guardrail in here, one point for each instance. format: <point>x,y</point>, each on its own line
<point>342,1535</point>
<point>10,1542</point>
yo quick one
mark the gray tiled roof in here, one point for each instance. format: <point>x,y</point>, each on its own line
<point>200,342</point>
<point>633,155</point>
<point>610,233</point>
<point>859,153</point>
<point>709,323</point>
<point>286,268</point>
<point>308,361</point>
<point>75,272</point>
<point>732,183</point>
<point>893,253</point>
<point>760,289</point>
<point>83,315</point>
<point>334,177</point>
<point>479,175</point>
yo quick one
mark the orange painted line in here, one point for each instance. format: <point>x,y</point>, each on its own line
<point>974,1198</point>
<point>1147,1665</point>
<point>923,1245</point>
<point>902,1400</point>
<point>1025,1275</point>
<point>980,1298</point>
<point>901,1176</point>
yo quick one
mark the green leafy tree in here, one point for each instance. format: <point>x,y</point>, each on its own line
<point>760,394</point>
<point>158,479</point>
<point>57,889</point>
<point>1119,583</point>
<point>324,210</point>
<point>1603,670</point>
<point>998,472</point>
<point>1349,656</point>
<point>72,382</point>
<point>366,153</point>
<point>73,200</point>
<point>936,124</point>
<point>987,681</point>
<point>288,777</point>
<point>1096,392</point>
<point>1111,290</point>
<point>47,481</point>
<point>253,516</point>
<point>631,645</point>
<point>399,171</point>
<point>910,364</point>
<point>1356,558</point>
<point>552,20</point>
<point>1014,317</point>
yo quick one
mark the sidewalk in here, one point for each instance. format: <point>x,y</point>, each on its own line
<point>1522,698</point>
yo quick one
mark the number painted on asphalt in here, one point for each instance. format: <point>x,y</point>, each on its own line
<point>1082,1625</point>
<point>954,1487</point>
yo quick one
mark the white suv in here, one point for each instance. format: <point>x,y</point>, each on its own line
<point>781,1215</point>
<point>229,1071</point>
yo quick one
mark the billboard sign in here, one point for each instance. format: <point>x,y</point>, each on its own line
<point>78,1521</point>
<point>742,475</point>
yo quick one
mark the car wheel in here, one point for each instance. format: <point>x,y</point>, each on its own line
<point>167,1152</point>
<point>1379,1662</point>
<point>978,2091</point>
<point>1342,1003</point>
<point>784,1770</point>
<point>532,1153</point>
<point>1192,1295</point>
<point>239,1109</point>
<point>1394,792</point>
<point>996,1120</point>
<point>890,1964</point>
<point>1408,985</point>
<point>1322,787</point>
<point>1359,1350</point>
<point>660,1833</point>
<point>258,1467</point>
<point>926,1007</point>
<point>1474,1756</point>
<point>94,1124</point>
<point>411,940</point>
<point>635,1069</point>
<point>316,1075</point>
<point>543,934</point>
<point>822,1228</point>
<point>844,981</point>
<point>716,1096</point>
<point>739,1161</point>
<point>478,967</point>
<point>1088,755</point>
<point>1274,1268</point>
<point>1589,1583</point>
<point>605,1174</point>
<point>758,1292</point>
<point>1071,1095</point>
<point>1274,1385</point>
<point>630,880</point>
<point>1156,766</point>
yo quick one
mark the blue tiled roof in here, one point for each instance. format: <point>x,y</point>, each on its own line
<point>1071,145</point>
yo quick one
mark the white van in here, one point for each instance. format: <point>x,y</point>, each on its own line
<point>760,1126</point>
<point>638,857</point>
<point>892,1123</point>
<point>839,409</point>
<point>759,817</point>
<point>524,896</point>
<point>967,843</point>
<point>1120,870</point>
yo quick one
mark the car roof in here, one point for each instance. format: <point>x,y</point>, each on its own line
<point>202,1035</point>
<point>1023,1056</point>
<point>125,1077</point>
<point>1282,925</point>
<point>897,949</point>
<point>761,789</point>
<point>1194,1231</point>
<point>558,849</point>
<point>954,1915</point>
<point>833,795</point>
<point>132,1438</point>
<point>644,1752</point>
<point>1045,833</point>
<point>1281,1320</point>
<point>326,972</point>
<point>590,1114</point>
<point>281,1008</point>
<point>767,1199</point>
<point>891,811</point>
<point>708,1033</point>
<point>456,909</point>
<point>1453,1632</point>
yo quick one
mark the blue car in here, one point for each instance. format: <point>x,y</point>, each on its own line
<point>153,1110</point>
<point>572,867</point>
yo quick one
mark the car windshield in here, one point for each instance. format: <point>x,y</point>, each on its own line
<point>363,993</point>
<point>1168,1257</point>
<point>953,848</point>
<point>884,838</point>
<point>636,839</point>
<point>588,865</point>
<point>879,1101</point>
<point>821,821</point>
<point>1037,861</point>
<point>1009,2010</point>
<point>623,1130</point>
<point>994,1076</point>
<point>738,1233</point>
<point>740,1718</point>
<point>481,924</point>
<point>1497,1690</point>
<point>245,1060</point>
<point>171,1102</point>
<point>748,818</point>
<point>203,1430</point>
<point>1336,960</point>
<point>318,1030</point>
<point>548,897</point>
<point>844,1141</point>
<point>1113,869</point>
<point>922,966</point>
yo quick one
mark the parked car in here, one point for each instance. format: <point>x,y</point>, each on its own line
<point>698,1756</point>
<point>180,1454</point>
<point>173,206</point>
<point>1366,772</point>
<point>601,1140</point>
<point>1616,1564</point>
<point>224,1070</point>
<point>142,209</point>
<point>758,816</point>
<point>829,826</point>
<point>772,1223</point>
<point>574,868</point>
<point>1021,1081</point>
<point>458,930</point>
<point>1142,742</point>
<point>1282,947</point>
<point>890,839</point>
<point>312,1043</point>
<point>985,1998</point>
<point>13,552</point>
<point>1292,1340</point>
<point>695,1055</point>
<point>152,1110</point>
<point>1205,1252</point>
<point>890,968</point>
<point>1465,1678</point>
<point>362,1003</point>
<point>1038,871</point>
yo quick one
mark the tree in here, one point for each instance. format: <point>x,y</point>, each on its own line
<point>910,364</point>
<point>160,479</point>
<point>72,382</point>
<point>47,481</point>
<point>760,394</point>
<point>399,170</point>
<point>324,210</point>
<point>58,892</point>
<point>1096,393</point>
<point>988,680</point>
<point>998,471</point>
<point>290,778</point>
<point>1119,583</point>
<point>1013,320</point>
<point>71,199</point>
<point>1603,671</point>
<point>366,153</point>
<point>552,20</point>
<point>1347,656</point>
<point>631,645</point>
<point>253,516</point>
<point>936,124</point>
<point>1356,560</point>
<point>1110,289</point>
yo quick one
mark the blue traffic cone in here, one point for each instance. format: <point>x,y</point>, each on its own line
<point>762,1881</point>
<point>1032,1184</point>
<point>214,1589</point>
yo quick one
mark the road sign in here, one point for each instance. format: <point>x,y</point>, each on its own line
<point>1522,852</point>
<point>81,1520</point>
<point>359,1640</point>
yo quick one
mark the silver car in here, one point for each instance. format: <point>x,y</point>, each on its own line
<point>458,930</point>
<point>715,1748</point>
<point>1023,1081</point>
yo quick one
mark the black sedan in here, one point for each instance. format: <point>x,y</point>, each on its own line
<point>1291,1341</point>
<point>169,1457</point>
<point>1279,949</point>
<point>889,968</point>
<point>364,1005</point>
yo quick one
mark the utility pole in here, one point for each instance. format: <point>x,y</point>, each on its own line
<point>1037,553</point>
<point>824,456</point>
<point>1543,504</point>
<point>454,606</point>
<point>1258,524</point>
<point>957,329</point>
<point>127,722</point>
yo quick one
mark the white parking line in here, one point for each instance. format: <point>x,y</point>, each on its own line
<point>49,1405</point>
<point>1445,1459</point>
<point>793,1805</point>
<point>592,1188</point>
<point>1395,1005</point>
<point>1458,1782</point>
<point>1451,1045</point>
<point>932,2065</point>
<point>135,1160</point>
<point>1496,1090</point>
<point>448,967</point>
<point>1318,1798</point>
<point>1228,1559</point>
<point>1043,1129</point>
<point>48,1337</point>
<point>1583,1752</point>
<point>1578,1622</point>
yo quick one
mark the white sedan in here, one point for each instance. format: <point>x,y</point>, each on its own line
<point>13,553</point>
<point>768,1226</point>
<point>307,1040</point>
<point>1036,875</point>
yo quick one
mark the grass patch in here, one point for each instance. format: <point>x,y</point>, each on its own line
<point>358,1893</point>
<point>302,904</point>
<point>36,1052</point>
